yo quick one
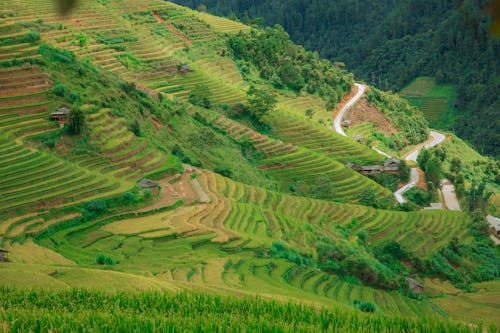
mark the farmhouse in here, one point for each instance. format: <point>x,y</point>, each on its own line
<point>61,114</point>
<point>392,165</point>
<point>148,184</point>
<point>494,225</point>
<point>346,123</point>
<point>3,255</point>
<point>365,169</point>
<point>415,286</point>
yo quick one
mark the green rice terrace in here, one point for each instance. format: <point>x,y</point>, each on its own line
<point>435,100</point>
<point>160,172</point>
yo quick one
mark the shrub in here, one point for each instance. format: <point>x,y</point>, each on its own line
<point>200,96</point>
<point>98,206</point>
<point>367,307</point>
<point>76,122</point>
<point>33,36</point>
<point>104,260</point>
<point>59,90</point>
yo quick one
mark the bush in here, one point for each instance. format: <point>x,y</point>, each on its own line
<point>105,260</point>
<point>200,96</point>
<point>98,206</point>
<point>76,122</point>
<point>367,307</point>
<point>59,90</point>
<point>33,36</point>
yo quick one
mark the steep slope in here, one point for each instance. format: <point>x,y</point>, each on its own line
<point>390,44</point>
<point>238,207</point>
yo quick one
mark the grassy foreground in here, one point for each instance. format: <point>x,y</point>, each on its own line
<point>93,311</point>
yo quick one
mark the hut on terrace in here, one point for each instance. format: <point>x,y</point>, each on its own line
<point>3,255</point>
<point>148,184</point>
<point>415,286</point>
<point>184,69</point>
<point>60,114</point>
<point>392,165</point>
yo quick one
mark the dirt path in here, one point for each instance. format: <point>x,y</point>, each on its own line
<point>337,120</point>
<point>436,138</point>
<point>173,29</point>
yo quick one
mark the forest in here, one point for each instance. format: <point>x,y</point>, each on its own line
<point>389,43</point>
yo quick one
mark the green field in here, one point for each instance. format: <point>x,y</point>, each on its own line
<point>237,210</point>
<point>435,100</point>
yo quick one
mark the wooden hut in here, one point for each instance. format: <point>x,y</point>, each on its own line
<point>415,286</point>
<point>3,255</point>
<point>392,165</point>
<point>60,114</point>
<point>148,184</point>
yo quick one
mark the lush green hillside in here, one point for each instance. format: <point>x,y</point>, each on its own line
<point>436,101</point>
<point>390,44</point>
<point>252,194</point>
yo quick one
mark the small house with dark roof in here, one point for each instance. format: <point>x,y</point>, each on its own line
<point>184,69</point>
<point>415,286</point>
<point>148,184</point>
<point>3,255</point>
<point>392,165</point>
<point>60,114</point>
<point>346,123</point>
<point>370,169</point>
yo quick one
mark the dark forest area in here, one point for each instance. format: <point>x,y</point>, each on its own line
<point>388,43</point>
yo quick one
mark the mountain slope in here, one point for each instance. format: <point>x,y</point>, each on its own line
<point>240,206</point>
<point>389,44</point>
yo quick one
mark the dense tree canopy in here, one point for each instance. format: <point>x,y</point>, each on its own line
<point>388,43</point>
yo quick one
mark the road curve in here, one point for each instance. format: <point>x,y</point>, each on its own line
<point>436,138</point>
<point>337,122</point>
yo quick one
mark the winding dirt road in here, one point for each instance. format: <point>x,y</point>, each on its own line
<point>337,121</point>
<point>448,189</point>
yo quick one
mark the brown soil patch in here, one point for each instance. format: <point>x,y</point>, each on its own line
<point>173,29</point>
<point>171,193</point>
<point>364,111</point>
<point>49,204</point>
<point>158,125</point>
<point>422,183</point>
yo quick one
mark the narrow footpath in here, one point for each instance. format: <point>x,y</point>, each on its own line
<point>448,189</point>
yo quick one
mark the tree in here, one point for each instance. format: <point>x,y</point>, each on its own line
<point>261,102</point>
<point>200,96</point>
<point>76,121</point>
<point>456,165</point>
<point>433,170</point>
<point>309,113</point>
<point>404,172</point>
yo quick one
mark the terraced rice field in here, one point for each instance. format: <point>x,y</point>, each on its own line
<point>34,180</point>
<point>218,235</point>
<point>289,163</point>
<point>121,153</point>
<point>130,42</point>
<point>299,104</point>
<point>323,140</point>
<point>220,24</point>
<point>434,100</point>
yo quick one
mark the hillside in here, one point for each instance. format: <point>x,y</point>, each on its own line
<point>389,44</point>
<point>197,154</point>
